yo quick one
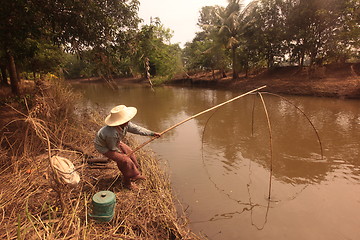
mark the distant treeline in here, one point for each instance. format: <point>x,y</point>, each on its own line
<point>269,33</point>
<point>99,38</point>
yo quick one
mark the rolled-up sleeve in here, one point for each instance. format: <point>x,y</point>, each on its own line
<point>133,128</point>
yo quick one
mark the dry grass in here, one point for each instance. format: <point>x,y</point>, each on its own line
<point>34,206</point>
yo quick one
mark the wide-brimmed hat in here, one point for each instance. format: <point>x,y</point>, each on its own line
<point>120,115</point>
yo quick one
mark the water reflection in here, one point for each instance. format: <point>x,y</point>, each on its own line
<point>220,161</point>
<point>229,131</point>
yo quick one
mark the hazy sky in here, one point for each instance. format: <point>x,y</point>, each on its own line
<point>181,16</point>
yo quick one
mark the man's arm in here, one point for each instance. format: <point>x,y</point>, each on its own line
<point>133,128</point>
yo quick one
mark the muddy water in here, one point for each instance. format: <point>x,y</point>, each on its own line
<point>220,163</point>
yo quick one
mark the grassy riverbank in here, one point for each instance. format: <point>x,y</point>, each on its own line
<point>44,122</point>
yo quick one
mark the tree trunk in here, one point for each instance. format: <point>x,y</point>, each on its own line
<point>302,57</point>
<point>13,74</point>
<point>270,59</point>
<point>18,75</point>
<point>235,73</point>
<point>4,75</point>
<point>313,55</point>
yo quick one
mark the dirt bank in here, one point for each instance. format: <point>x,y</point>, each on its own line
<point>341,80</point>
<point>336,80</point>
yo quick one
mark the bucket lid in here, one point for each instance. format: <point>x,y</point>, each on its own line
<point>104,197</point>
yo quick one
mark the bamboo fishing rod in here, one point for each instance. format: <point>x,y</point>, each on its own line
<point>194,116</point>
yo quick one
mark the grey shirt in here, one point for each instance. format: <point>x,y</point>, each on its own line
<point>108,138</point>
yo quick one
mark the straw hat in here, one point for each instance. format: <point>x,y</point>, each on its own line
<point>120,115</point>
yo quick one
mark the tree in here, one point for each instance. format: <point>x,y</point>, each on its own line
<point>207,51</point>
<point>15,26</point>
<point>126,56</point>
<point>153,43</point>
<point>268,28</point>
<point>3,61</point>
<point>315,27</point>
<point>44,58</point>
<point>230,30</point>
<point>223,32</point>
<point>203,54</point>
<point>346,31</point>
<point>271,32</point>
<point>234,21</point>
<point>75,25</point>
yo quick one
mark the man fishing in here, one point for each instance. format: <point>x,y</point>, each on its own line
<point>108,141</point>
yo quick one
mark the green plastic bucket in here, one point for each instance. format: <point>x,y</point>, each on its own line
<point>103,206</point>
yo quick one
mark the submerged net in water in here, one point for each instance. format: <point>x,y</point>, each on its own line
<point>33,205</point>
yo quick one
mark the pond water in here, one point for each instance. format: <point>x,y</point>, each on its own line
<point>219,163</point>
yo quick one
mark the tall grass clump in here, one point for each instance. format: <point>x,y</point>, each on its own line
<point>34,205</point>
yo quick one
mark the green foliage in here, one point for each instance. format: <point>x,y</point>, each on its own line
<point>204,55</point>
<point>268,30</point>
<point>345,38</point>
<point>17,23</point>
<point>75,67</point>
<point>127,57</point>
<point>195,57</point>
<point>83,24</point>
<point>29,30</point>
<point>153,42</point>
<point>222,36</point>
<point>44,58</point>
<point>213,52</point>
<point>102,38</point>
<point>276,32</point>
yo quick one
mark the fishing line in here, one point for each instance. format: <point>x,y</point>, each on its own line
<point>271,164</point>
<point>207,171</point>
<point>308,119</point>
<point>250,201</point>
<point>252,116</point>
<point>252,206</point>
<point>271,158</point>
<point>271,168</point>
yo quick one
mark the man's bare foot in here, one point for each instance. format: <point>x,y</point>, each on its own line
<point>132,187</point>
